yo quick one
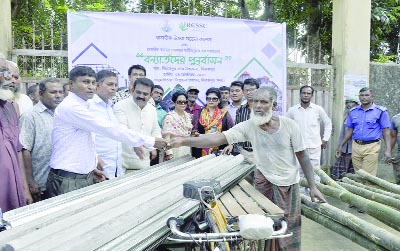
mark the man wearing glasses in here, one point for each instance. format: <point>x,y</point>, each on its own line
<point>14,190</point>
<point>138,114</point>
<point>134,72</point>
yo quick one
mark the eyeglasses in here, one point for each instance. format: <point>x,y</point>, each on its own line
<point>182,102</point>
<point>6,74</point>
<point>214,99</point>
<point>250,90</point>
<point>138,75</point>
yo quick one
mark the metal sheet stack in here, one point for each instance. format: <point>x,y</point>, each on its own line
<point>128,213</point>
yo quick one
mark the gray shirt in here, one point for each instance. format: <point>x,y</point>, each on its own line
<point>35,136</point>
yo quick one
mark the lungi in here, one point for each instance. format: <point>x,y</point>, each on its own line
<point>288,199</point>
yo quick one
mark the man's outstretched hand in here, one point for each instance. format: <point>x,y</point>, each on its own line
<point>175,142</point>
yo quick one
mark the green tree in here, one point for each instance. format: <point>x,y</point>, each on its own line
<point>43,15</point>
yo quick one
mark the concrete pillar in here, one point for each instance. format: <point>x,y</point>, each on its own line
<point>5,27</point>
<point>351,47</point>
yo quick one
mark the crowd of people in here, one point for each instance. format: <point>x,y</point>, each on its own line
<point>62,137</point>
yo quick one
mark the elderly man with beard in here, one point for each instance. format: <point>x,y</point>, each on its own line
<point>23,101</point>
<point>279,150</point>
<point>14,190</point>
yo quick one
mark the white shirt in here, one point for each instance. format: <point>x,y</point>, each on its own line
<point>144,121</point>
<point>24,103</point>
<point>232,109</point>
<point>73,144</point>
<point>310,120</point>
<point>274,152</point>
<point>109,150</point>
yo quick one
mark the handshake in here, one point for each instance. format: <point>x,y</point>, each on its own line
<point>164,145</point>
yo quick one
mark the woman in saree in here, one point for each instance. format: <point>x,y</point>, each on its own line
<point>213,118</point>
<point>177,123</point>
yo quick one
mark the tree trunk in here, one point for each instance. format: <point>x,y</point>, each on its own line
<point>340,229</point>
<point>381,212</point>
<point>269,10</point>
<point>244,10</point>
<point>370,188</point>
<point>380,182</point>
<point>375,234</point>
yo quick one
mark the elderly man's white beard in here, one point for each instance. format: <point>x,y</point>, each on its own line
<point>261,119</point>
<point>6,94</point>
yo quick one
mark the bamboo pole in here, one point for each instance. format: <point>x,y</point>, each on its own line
<point>380,182</point>
<point>355,177</point>
<point>340,229</point>
<point>370,231</point>
<point>370,188</point>
<point>381,212</point>
<point>383,199</point>
<point>326,179</point>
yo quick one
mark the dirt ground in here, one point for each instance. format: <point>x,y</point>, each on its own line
<point>316,237</point>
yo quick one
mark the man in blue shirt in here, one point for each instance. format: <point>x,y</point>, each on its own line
<point>366,124</point>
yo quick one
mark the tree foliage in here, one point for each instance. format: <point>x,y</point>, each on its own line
<point>43,15</point>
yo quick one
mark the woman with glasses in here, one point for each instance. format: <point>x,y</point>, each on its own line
<point>177,123</point>
<point>213,118</point>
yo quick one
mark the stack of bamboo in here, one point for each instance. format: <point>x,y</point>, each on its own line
<point>377,197</point>
<point>128,213</point>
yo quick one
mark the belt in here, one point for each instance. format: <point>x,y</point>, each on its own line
<point>366,142</point>
<point>71,175</point>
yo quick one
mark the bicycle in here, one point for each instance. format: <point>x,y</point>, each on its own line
<point>208,228</point>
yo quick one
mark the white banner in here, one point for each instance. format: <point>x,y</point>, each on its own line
<point>180,51</point>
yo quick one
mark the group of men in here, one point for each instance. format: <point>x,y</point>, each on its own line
<point>68,142</point>
<point>48,151</point>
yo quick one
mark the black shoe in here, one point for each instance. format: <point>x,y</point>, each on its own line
<point>351,206</point>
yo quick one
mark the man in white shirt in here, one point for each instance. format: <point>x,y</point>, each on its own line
<point>73,161</point>
<point>138,114</point>
<point>100,105</point>
<point>236,95</point>
<point>279,152</point>
<point>309,116</point>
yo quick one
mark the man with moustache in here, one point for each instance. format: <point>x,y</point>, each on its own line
<point>366,124</point>
<point>73,161</point>
<point>279,150</point>
<point>138,114</point>
<point>14,191</point>
<point>35,136</point>
<point>100,105</point>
